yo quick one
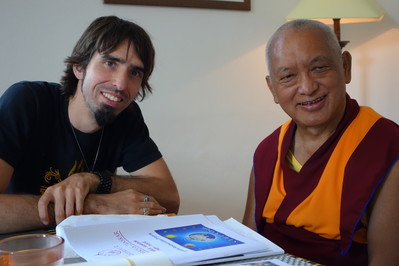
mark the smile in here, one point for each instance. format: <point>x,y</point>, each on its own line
<point>111,97</point>
<point>312,102</point>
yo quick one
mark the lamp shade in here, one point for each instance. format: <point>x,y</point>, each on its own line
<point>348,11</point>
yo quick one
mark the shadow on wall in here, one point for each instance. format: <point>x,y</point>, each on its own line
<point>374,57</point>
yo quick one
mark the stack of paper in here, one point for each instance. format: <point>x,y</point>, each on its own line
<point>184,239</point>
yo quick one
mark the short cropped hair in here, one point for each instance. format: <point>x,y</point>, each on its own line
<point>303,24</point>
<point>103,35</point>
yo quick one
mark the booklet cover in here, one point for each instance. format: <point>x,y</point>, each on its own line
<point>185,239</point>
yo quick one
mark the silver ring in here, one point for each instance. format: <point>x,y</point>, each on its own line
<point>146,198</point>
<point>145,211</point>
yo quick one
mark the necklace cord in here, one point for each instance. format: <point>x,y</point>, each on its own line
<point>81,151</point>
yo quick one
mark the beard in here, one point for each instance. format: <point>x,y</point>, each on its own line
<point>104,115</point>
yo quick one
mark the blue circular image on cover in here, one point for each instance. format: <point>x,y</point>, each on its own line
<point>201,237</point>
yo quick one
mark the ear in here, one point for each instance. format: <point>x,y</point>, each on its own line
<point>271,88</point>
<point>78,71</point>
<point>347,64</point>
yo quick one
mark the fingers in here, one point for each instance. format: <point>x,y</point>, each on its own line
<point>42,206</point>
<point>150,206</point>
<point>51,196</point>
<point>68,200</point>
<point>150,211</point>
<point>61,202</point>
<point>146,198</point>
<point>59,207</point>
<point>69,203</point>
<point>74,202</point>
<point>146,211</point>
<point>79,203</point>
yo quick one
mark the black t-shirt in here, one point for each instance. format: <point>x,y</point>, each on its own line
<point>36,139</point>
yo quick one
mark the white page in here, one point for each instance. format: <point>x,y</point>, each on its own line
<point>270,248</point>
<point>248,232</point>
<point>91,219</point>
<point>129,238</point>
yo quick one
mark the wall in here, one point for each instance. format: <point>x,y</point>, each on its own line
<point>210,107</point>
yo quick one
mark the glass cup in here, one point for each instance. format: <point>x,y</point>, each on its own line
<point>33,249</point>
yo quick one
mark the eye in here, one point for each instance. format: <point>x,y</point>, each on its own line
<point>136,73</point>
<point>287,78</point>
<point>320,68</point>
<point>109,63</point>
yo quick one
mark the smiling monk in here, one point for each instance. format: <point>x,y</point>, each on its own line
<point>324,186</point>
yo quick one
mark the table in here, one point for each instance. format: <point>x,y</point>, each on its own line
<point>287,258</point>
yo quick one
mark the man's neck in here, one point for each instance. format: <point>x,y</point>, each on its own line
<point>80,116</point>
<point>307,142</point>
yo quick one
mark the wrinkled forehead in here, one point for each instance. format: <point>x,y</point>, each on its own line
<point>300,38</point>
<point>304,47</point>
<point>301,43</point>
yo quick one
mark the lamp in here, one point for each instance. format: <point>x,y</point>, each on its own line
<point>338,11</point>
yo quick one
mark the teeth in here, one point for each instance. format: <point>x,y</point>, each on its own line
<point>312,102</point>
<point>111,98</point>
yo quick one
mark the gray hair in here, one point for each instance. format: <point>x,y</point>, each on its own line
<point>303,24</point>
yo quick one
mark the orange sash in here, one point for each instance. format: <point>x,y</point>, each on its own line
<point>312,213</point>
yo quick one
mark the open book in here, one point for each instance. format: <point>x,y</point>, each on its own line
<point>183,240</point>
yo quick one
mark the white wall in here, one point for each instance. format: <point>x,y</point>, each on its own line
<point>210,107</point>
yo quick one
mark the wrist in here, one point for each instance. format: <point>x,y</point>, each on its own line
<point>94,204</point>
<point>105,184</point>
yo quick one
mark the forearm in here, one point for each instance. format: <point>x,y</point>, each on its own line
<point>383,231</point>
<point>20,213</point>
<point>249,214</point>
<point>154,180</point>
<point>163,190</point>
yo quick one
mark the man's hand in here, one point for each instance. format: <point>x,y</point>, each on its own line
<point>123,202</point>
<point>68,196</point>
<point>75,195</point>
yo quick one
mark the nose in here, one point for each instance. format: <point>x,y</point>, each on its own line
<point>306,85</point>
<point>120,80</point>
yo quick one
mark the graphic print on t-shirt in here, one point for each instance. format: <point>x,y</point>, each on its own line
<point>53,176</point>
